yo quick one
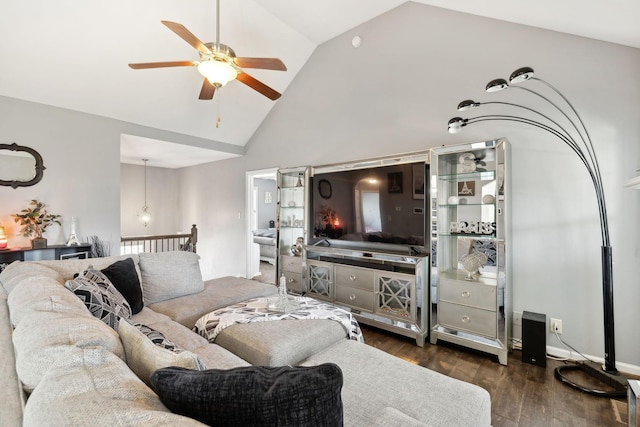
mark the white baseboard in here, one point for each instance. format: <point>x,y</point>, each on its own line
<point>564,353</point>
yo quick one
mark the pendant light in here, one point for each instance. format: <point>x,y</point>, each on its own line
<point>145,215</point>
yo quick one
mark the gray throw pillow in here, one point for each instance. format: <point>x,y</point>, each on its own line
<point>167,275</point>
<point>147,350</point>
<point>100,297</point>
<point>254,396</point>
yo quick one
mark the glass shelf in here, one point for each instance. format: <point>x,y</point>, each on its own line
<point>457,205</point>
<point>469,176</point>
<point>469,235</point>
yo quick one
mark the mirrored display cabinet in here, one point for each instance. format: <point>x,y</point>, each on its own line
<point>471,277</point>
<point>292,215</point>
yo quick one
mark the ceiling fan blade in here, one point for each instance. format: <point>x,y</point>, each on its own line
<point>258,86</point>
<point>144,65</point>
<point>263,63</point>
<point>187,36</point>
<point>207,91</point>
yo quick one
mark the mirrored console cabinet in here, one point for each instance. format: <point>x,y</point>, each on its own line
<point>354,234</point>
<point>471,277</point>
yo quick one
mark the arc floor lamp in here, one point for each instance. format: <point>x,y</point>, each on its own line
<point>573,133</point>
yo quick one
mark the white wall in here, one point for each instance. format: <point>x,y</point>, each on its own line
<point>396,93</point>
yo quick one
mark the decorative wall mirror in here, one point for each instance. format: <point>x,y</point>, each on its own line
<point>19,166</point>
<point>324,188</point>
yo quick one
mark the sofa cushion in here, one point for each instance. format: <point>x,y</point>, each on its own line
<point>43,294</point>
<point>254,396</point>
<point>18,271</point>
<point>11,394</point>
<point>125,278</point>
<point>100,297</point>
<point>432,398</point>
<point>92,387</point>
<point>285,342</point>
<point>217,293</point>
<point>144,356</point>
<point>167,275</point>
<point>42,338</point>
<point>211,355</point>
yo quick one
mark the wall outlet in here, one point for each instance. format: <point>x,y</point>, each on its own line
<point>516,329</point>
<point>555,325</point>
<point>517,318</point>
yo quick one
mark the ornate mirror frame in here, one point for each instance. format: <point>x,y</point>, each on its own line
<point>324,188</point>
<point>39,168</point>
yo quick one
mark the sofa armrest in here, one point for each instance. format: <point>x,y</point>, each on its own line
<point>11,394</point>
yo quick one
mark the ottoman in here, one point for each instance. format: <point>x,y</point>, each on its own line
<point>281,342</point>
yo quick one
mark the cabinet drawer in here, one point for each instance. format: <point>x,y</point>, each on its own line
<point>355,297</point>
<point>294,282</point>
<point>468,293</point>
<point>290,263</point>
<point>469,319</point>
<point>354,277</point>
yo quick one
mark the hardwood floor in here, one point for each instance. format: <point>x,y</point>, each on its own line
<point>521,394</point>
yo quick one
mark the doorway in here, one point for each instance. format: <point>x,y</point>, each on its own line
<point>261,234</point>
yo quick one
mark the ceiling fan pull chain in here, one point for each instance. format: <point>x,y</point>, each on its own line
<point>216,100</point>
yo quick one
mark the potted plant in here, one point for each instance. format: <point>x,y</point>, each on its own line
<point>34,221</point>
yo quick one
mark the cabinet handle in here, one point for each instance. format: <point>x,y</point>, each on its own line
<point>466,294</point>
<point>352,277</point>
<point>465,319</point>
<point>352,297</point>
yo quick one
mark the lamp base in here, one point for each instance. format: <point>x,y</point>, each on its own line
<point>616,380</point>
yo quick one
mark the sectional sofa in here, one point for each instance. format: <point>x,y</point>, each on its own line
<point>62,365</point>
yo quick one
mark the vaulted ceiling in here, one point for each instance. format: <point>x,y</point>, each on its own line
<point>74,54</point>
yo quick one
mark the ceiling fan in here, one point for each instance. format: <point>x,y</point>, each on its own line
<point>218,63</point>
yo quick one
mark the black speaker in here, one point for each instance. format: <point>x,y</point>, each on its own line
<point>534,338</point>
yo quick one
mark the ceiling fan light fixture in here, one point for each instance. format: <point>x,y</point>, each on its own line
<point>219,73</point>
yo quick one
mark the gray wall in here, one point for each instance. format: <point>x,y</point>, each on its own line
<point>396,93</point>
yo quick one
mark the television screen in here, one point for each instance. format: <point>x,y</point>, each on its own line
<point>370,207</point>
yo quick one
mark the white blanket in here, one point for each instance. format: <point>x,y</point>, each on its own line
<point>257,310</point>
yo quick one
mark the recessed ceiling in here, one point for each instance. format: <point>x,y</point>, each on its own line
<point>74,54</point>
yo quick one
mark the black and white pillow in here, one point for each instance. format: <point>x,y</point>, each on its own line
<point>157,338</point>
<point>100,297</point>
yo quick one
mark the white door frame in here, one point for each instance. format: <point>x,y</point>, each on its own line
<point>251,256</point>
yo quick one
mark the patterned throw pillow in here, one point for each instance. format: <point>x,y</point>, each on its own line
<point>157,337</point>
<point>100,297</point>
<point>254,396</point>
<point>147,350</point>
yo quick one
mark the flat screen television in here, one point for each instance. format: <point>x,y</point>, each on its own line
<point>375,205</point>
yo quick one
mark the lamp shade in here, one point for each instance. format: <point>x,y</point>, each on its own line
<point>145,216</point>
<point>468,104</point>
<point>496,85</point>
<point>219,73</point>
<point>3,238</point>
<point>456,124</point>
<point>520,75</point>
